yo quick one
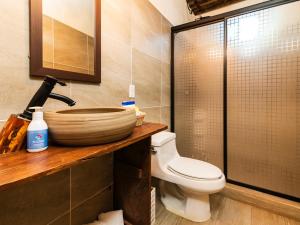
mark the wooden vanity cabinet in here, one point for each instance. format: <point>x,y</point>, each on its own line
<point>72,185</point>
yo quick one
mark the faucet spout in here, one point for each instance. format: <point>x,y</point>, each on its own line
<point>62,98</point>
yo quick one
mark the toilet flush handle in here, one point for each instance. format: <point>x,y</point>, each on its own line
<point>153,151</point>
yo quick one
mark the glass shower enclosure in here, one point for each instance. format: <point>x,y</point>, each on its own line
<point>236,95</point>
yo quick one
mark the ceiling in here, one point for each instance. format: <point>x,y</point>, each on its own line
<point>197,7</point>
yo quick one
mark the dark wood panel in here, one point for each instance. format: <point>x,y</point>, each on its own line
<point>38,202</point>
<point>90,177</point>
<point>90,209</point>
<point>202,6</point>
<point>63,220</point>
<point>133,193</point>
<point>22,166</point>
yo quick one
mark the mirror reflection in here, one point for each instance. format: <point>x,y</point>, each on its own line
<point>69,35</point>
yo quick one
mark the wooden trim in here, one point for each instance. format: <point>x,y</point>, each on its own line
<point>269,202</point>
<point>36,47</point>
<point>129,170</point>
<point>97,50</point>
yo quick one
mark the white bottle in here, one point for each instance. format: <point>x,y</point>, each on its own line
<point>37,132</point>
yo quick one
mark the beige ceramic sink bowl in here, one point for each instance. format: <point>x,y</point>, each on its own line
<point>79,127</point>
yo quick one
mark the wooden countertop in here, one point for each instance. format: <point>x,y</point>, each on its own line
<point>19,167</point>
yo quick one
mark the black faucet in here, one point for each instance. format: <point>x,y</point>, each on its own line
<point>62,98</point>
<point>43,93</point>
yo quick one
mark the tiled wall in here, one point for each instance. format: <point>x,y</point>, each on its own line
<point>135,46</point>
<point>66,48</point>
<point>73,196</point>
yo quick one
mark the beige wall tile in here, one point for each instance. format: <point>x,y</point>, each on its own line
<point>14,95</point>
<point>116,20</point>
<point>147,78</point>
<point>111,92</point>
<point>116,56</point>
<point>147,42</point>
<point>166,41</point>
<point>14,45</point>
<point>152,114</point>
<point>145,14</point>
<point>166,85</point>
<point>17,88</point>
<point>52,104</point>
<point>166,116</point>
<point>146,28</point>
<point>70,47</point>
<point>166,52</point>
<point>166,29</point>
<point>2,124</point>
<point>14,38</point>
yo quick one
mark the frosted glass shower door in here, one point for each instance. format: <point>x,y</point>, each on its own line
<point>263,99</point>
<point>198,95</point>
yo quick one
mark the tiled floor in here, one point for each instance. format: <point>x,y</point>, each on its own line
<point>226,211</point>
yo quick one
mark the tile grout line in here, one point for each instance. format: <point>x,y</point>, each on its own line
<point>92,196</point>
<point>57,218</point>
<point>161,73</point>
<point>131,66</point>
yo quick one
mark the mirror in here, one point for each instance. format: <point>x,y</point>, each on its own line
<point>65,39</point>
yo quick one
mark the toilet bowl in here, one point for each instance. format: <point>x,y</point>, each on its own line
<point>185,183</point>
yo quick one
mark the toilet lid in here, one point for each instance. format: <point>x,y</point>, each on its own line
<point>194,169</point>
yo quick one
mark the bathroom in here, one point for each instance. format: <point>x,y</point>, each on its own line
<point>157,112</point>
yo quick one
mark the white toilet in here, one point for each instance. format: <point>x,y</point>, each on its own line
<point>185,183</point>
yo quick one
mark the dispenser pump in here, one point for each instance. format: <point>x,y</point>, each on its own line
<point>38,113</point>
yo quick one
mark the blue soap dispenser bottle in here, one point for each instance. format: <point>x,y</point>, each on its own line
<point>37,132</point>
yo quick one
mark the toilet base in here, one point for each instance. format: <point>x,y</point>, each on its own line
<point>187,205</point>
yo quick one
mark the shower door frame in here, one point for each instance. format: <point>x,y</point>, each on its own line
<point>208,21</point>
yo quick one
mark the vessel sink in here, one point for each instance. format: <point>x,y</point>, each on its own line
<point>90,126</point>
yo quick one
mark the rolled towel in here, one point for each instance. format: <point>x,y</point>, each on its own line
<point>111,218</point>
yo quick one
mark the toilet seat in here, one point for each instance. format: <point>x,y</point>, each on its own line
<point>194,169</point>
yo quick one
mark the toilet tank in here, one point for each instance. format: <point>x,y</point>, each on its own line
<point>164,148</point>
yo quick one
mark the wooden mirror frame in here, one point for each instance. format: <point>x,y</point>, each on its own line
<point>36,47</point>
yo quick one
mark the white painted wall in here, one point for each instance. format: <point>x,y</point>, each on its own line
<point>79,14</point>
<point>233,7</point>
<point>175,11</point>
